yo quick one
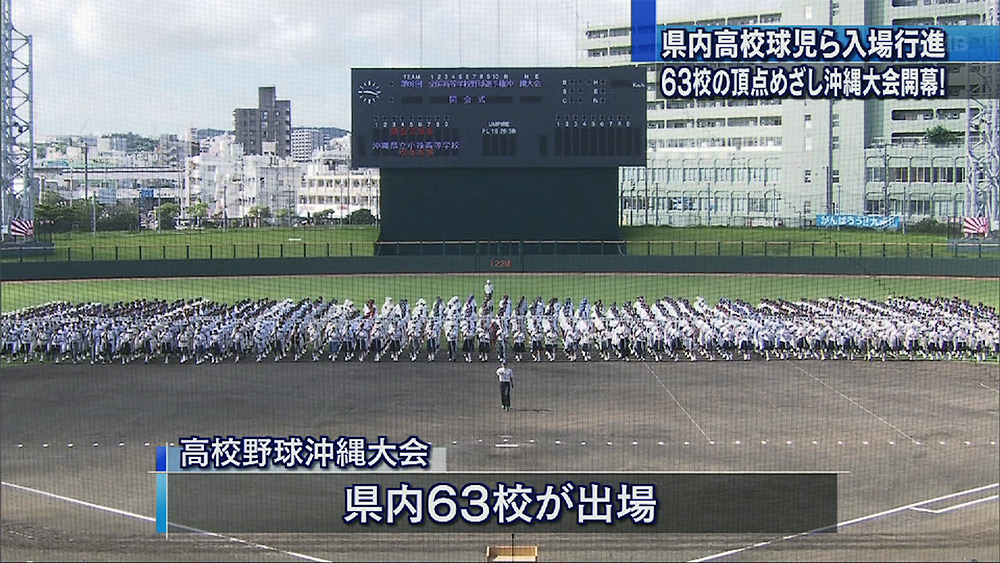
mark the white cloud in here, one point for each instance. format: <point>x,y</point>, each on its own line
<point>162,65</point>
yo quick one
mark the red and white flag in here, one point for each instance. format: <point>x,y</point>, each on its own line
<point>975,226</point>
<point>22,228</point>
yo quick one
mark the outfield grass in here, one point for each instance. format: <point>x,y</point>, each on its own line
<point>266,235</point>
<point>618,287</point>
<point>279,235</point>
<point>761,234</point>
<point>358,241</point>
<point>212,244</point>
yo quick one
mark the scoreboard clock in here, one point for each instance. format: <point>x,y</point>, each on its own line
<point>499,117</point>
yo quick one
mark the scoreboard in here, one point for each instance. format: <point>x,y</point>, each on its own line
<point>499,117</point>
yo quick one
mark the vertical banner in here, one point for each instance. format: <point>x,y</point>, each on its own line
<point>644,31</point>
<point>161,489</point>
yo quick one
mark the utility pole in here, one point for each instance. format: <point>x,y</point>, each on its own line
<point>86,189</point>
<point>225,204</point>
<point>710,204</point>
<point>885,178</point>
<point>645,177</point>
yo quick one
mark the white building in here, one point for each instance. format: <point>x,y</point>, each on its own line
<point>304,142</point>
<point>270,182</point>
<point>112,143</point>
<point>329,184</point>
<point>233,184</point>
<point>215,177</point>
<point>769,162</point>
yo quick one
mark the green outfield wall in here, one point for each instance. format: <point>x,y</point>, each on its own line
<point>537,263</point>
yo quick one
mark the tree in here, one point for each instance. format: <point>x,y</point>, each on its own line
<point>166,214</point>
<point>54,212</point>
<point>324,217</point>
<point>120,217</point>
<point>285,215</point>
<point>361,217</point>
<point>939,135</point>
<point>257,213</point>
<point>198,211</point>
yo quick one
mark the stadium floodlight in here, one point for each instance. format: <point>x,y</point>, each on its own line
<point>17,190</point>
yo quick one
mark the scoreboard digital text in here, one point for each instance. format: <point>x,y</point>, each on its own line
<point>499,117</point>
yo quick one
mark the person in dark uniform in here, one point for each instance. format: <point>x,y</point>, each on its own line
<point>506,377</point>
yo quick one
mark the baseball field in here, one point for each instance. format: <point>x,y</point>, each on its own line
<point>914,442</point>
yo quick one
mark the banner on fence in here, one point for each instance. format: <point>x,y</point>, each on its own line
<point>22,228</point>
<point>859,221</point>
<point>975,226</point>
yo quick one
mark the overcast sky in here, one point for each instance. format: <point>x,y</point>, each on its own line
<point>161,66</point>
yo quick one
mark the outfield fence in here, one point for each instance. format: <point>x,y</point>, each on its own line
<point>222,251</point>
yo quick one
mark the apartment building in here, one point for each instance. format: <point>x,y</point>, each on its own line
<point>780,162</point>
<point>267,128</point>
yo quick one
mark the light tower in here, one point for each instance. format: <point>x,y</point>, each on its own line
<point>982,134</point>
<point>17,192</point>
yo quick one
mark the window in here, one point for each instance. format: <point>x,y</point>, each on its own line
<point>835,143</point>
<point>834,176</point>
<point>807,119</point>
<point>807,177</point>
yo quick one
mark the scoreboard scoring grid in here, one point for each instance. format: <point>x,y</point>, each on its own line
<point>489,118</point>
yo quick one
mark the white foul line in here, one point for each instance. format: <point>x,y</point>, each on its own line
<point>956,507</point>
<point>678,402</point>
<point>857,404</point>
<point>848,522</point>
<point>149,519</point>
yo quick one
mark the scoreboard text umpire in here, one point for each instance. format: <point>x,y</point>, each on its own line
<point>506,377</point>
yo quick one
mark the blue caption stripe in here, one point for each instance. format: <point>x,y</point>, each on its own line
<point>965,43</point>
<point>644,31</point>
<point>161,503</point>
<point>161,458</point>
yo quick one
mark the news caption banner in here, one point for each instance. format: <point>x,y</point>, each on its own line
<point>295,484</point>
<point>805,61</point>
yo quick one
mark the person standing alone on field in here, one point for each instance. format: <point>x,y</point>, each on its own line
<point>506,377</point>
<point>488,293</point>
